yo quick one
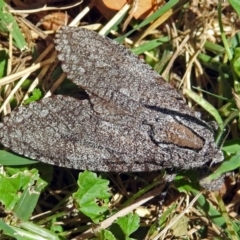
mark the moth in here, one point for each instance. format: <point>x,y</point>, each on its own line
<point>132,120</point>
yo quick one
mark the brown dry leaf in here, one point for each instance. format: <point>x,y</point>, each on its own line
<point>114,5</point>
<point>143,212</point>
<point>54,21</point>
<point>143,7</point>
<point>108,8</point>
<point>180,228</point>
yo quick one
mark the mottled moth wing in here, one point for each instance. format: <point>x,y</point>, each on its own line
<point>67,132</point>
<point>110,71</point>
<point>132,121</point>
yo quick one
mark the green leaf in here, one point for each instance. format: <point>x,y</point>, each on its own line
<point>3,63</point>
<point>10,231</point>
<point>26,84</point>
<point>236,5</point>
<point>40,232</point>
<point>213,47</point>
<point>206,105</point>
<point>28,200</point>
<point>186,182</point>
<point>149,45</point>
<point>11,186</point>
<point>36,95</point>
<point>236,62</point>
<point>227,166</point>
<point>164,217</point>
<point>9,24</point>
<point>104,235</point>
<point>231,146</point>
<point>212,213</point>
<point>92,189</point>
<point>128,223</point>
<point>10,159</point>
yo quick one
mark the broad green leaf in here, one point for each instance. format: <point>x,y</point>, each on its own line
<point>104,235</point>
<point>11,186</point>
<point>92,189</point>
<point>128,223</point>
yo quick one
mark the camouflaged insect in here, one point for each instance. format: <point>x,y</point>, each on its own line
<point>133,120</point>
